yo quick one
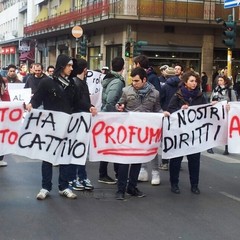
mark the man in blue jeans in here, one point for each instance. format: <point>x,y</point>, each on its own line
<point>58,94</point>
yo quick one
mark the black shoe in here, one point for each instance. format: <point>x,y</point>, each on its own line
<point>210,151</point>
<point>135,192</point>
<point>106,180</point>
<point>120,195</point>
<point>175,189</point>
<point>226,153</point>
<point>195,190</point>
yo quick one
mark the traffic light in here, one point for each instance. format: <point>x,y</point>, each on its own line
<point>229,32</point>
<point>137,47</point>
<point>83,47</point>
<point>127,49</point>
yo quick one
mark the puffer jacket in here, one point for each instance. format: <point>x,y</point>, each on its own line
<point>112,84</point>
<point>134,103</point>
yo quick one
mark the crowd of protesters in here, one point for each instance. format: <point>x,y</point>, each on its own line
<point>175,88</point>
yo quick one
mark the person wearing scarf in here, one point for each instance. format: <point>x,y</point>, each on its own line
<point>140,96</point>
<point>58,94</point>
<point>222,92</point>
<point>189,94</point>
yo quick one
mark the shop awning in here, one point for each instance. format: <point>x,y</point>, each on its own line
<point>26,56</point>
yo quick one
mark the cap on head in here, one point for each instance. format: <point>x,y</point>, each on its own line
<point>170,71</point>
<point>164,67</point>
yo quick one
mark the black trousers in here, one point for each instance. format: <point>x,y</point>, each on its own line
<point>124,173</point>
<point>193,168</point>
<point>103,171</point>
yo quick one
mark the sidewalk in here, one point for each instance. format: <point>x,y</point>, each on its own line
<point>218,155</point>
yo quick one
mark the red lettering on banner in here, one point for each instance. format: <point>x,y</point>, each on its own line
<point>126,135</point>
<point>8,136</point>
<point>109,131</point>
<point>234,126</point>
<point>2,113</point>
<point>14,115</point>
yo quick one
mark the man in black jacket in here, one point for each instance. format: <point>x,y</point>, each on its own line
<point>57,94</point>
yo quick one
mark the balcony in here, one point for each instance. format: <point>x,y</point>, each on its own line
<point>158,10</point>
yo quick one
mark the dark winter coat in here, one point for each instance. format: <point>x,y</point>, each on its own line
<point>177,101</point>
<point>168,90</point>
<point>54,97</point>
<point>83,91</point>
<point>153,78</point>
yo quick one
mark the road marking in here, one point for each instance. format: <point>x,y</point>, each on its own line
<point>230,196</point>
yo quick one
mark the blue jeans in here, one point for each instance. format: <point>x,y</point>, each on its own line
<point>76,171</point>
<point>47,176</point>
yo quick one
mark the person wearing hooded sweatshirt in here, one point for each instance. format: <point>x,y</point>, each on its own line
<point>58,94</point>
<point>113,83</point>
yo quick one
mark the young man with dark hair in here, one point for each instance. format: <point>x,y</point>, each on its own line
<point>144,98</point>
<point>50,71</point>
<point>152,78</point>
<point>11,75</point>
<point>58,94</point>
<point>78,176</point>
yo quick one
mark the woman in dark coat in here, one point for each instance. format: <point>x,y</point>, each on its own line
<point>189,94</point>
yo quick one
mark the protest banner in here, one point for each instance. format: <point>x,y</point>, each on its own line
<point>234,127</point>
<point>11,115</point>
<point>131,137</point>
<point>17,92</point>
<point>94,81</point>
<point>55,137</point>
<point>195,129</point>
<point>23,95</point>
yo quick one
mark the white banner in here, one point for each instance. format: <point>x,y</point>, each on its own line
<point>131,137</point>
<point>11,116</point>
<point>195,129</point>
<point>55,137</point>
<point>234,128</point>
<point>94,81</point>
<point>23,95</point>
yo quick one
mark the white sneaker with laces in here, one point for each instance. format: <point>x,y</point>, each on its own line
<point>42,194</point>
<point>3,164</point>
<point>68,193</point>
<point>143,175</point>
<point>155,178</point>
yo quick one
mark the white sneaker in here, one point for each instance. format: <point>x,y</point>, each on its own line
<point>143,175</point>
<point>68,193</point>
<point>3,164</point>
<point>155,177</point>
<point>42,194</point>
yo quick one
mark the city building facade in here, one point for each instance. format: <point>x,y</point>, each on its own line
<point>176,31</point>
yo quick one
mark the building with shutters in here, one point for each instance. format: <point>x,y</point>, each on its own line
<point>177,31</point>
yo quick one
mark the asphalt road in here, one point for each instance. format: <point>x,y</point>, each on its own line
<point>212,215</point>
